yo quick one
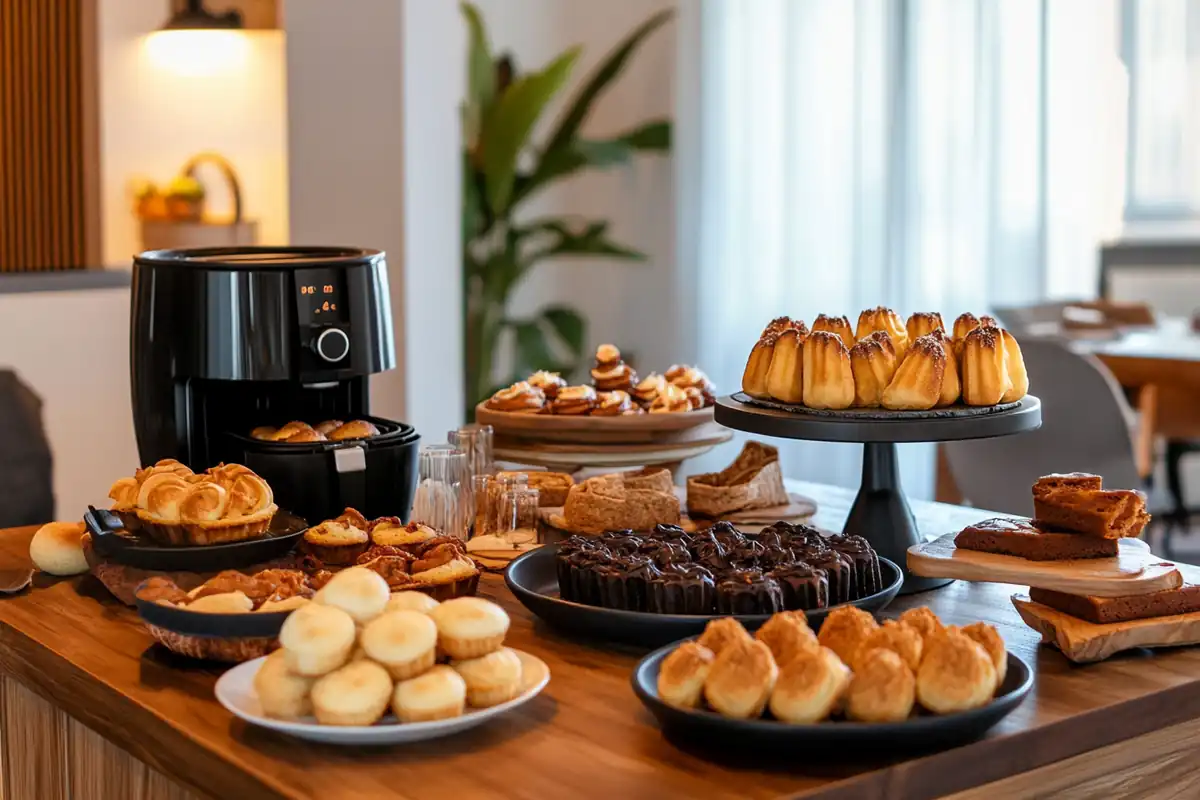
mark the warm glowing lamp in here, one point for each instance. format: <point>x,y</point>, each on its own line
<point>197,42</point>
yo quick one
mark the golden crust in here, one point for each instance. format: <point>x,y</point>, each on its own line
<point>810,687</point>
<point>985,378</point>
<point>956,674</point>
<point>720,633</point>
<point>787,636</point>
<point>924,621</point>
<point>921,323</point>
<point>844,630</point>
<point>828,380</point>
<point>840,326</point>
<point>987,637</point>
<point>965,324</point>
<point>898,637</point>
<point>758,366</point>
<point>951,385</point>
<point>1014,363</point>
<point>882,689</point>
<point>682,674</point>
<point>785,374</point>
<point>917,384</point>
<point>873,369</point>
<point>520,398</point>
<point>882,318</point>
<point>741,679</point>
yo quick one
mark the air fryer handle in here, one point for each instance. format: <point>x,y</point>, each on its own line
<point>350,464</point>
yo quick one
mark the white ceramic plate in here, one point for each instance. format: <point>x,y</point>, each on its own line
<point>235,691</point>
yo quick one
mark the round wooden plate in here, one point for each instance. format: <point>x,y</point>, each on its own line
<point>631,429</point>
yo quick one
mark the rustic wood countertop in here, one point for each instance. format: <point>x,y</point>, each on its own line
<point>587,735</point>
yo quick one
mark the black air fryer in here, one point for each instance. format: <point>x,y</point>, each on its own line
<point>224,340</point>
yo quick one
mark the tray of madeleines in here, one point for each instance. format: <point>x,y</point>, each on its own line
<point>885,366</point>
<point>912,681</point>
<point>615,402</point>
<point>362,666</point>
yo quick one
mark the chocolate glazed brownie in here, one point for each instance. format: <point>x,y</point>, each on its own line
<point>1024,539</point>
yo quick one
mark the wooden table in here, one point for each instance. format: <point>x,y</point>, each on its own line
<point>69,654</point>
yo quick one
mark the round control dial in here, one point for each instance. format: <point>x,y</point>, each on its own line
<point>332,345</point>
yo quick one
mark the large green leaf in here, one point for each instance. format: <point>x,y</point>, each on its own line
<point>533,349</point>
<point>568,127</point>
<point>562,239</point>
<point>568,325</point>
<point>481,77</point>
<point>508,123</point>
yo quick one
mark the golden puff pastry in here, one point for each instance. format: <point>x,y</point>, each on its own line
<point>924,621</point>
<point>836,325</point>
<point>951,385</point>
<point>758,366</point>
<point>895,636</point>
<point>987,637</point>
<point>873,368</point>
<point>956,674</point>
<point>844,630</point>
<point>785,375</point>
<point>963,325</point>
<point>917,384</point>
<point>985,379</point>
<point>882,690</point>
<point>787,635</point>
<point>921,323</point>
<point>741,679</point>
<point>826,375</point>
<point>1014,363</point>
<point>882,318</point>
<point>810,687</point>
<point>683,673</point>
<point>720,633</point>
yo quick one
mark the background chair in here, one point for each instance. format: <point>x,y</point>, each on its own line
<point>1088,426</point>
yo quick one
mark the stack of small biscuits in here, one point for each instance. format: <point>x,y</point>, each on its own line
<point>855,667</point>
<point>357,650</point>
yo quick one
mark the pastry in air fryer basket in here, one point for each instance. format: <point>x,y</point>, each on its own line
<point>356,429</point>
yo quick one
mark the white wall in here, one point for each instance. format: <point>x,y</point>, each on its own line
<point>72,348</point>
<point>635,306</point>
<point>373,127</point>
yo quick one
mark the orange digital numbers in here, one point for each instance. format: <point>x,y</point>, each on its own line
<point>328,288</point>
<point>308,290</point>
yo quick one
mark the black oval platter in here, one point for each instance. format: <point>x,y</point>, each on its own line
<point>220,626</point>
<point>924,731</point>
<point>533,578</point>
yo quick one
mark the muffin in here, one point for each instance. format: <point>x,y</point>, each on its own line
<point>282,693</point>
<point>336,543</point>
<point>439,693</point>
<point>624,583</point>
<point>469,627</point>
<point>867,579</point>
<point>837,568</point>
<point>317,639</point>
<point>682,675</point>
<point>356,694</point>
<point>804,587</point>
<point>491,679</point>
<point>360,592</point>
<point>748,591</point>
<point>681,589</point>
<point>410,601</point>
<point>389,532</point>
<point>402,642</point>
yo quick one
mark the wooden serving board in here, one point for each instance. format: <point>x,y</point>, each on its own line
<point>587,429</point>
<point>1083,641</point>
<point>798,510</point>
<point>1135,570</point>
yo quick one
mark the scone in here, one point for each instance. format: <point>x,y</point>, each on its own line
<point>439,693</point>
<point>987,637</point>
<point>956,674</point>
<point>924,621</point>
<point>336,543</point>
<point>402,642</point>
<point>410,601</point>
<point>317,639</point>
<point>721,632</point>
<point>682,674</point>
<point>895,636</point>
<point>469,627</point>
<point>282,693</point>
<point>491,679</point>
<point>741,679</point>
<point>787,635</point>
<point>360,592</point>
<point>809,687</point>
<point>882,689</point>
<point>356,694</point>
<point>844,630</point>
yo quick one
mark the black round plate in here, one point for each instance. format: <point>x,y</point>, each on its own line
<point>924,731</point>
<point>218,626</point>
<point>766,418</point>
<point>533,578</point>
<point>143,553</point>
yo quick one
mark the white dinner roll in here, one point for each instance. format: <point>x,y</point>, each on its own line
<point>57,548</point>
<point>360,592</point>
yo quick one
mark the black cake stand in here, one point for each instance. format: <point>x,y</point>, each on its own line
<point>880,512</point>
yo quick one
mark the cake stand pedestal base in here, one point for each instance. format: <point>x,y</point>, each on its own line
<point>881,515</point>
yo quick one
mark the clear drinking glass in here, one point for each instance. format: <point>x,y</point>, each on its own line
<point>476,442</point>
<point>481,495</point>
<point>443,499</point>
<point>516,515</point>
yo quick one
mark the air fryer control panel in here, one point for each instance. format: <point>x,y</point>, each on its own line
<point>323,313</point>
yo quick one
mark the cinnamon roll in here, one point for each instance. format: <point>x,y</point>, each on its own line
<point>784,377</point>
<point>835,325</point>
<point>827,378</point>
<point>520,398</point>
<point>985,377</point>
<point>882,318</point>
<point>574,400</point>
<point>917,384</point>
<point>921,323</point>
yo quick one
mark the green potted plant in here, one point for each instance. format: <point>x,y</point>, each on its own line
<point>502,169</point>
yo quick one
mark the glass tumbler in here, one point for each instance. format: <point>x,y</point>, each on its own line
<point>481,497</point>
<point>443,499</point>
<point>516,517</point>
<point>476,442</point>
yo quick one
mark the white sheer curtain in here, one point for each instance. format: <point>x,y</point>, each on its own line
<point>849,153</point>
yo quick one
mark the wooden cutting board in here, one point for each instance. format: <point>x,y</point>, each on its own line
<point>1135,570</point>
<point>1084,642</point>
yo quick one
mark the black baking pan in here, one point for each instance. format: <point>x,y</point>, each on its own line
<point>112,542</point>
<point>533,578</point>
<point>216,626</point>
<point>923,731</point>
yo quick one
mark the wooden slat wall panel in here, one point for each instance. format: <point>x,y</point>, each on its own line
<point>49,147</point>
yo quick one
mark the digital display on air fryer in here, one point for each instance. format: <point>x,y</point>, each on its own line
<point>321,299</point>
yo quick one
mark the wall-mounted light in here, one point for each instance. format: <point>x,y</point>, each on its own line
<point>197,42</point>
